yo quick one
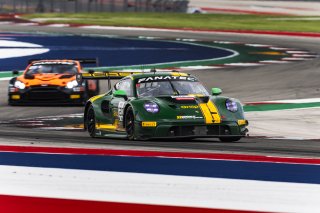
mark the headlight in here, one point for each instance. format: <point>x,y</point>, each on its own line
<point>72,84</point>
<point>231,105</point>
<point>19,84</point>
<point>151,107</point>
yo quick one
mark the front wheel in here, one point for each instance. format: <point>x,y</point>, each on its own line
<point>229,139</point>
<point>91,122</point>
<point>129,123</point>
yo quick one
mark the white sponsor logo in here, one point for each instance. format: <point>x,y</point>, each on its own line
<point>120,110</point>
<point>163,78</point>
<point>183,117</point>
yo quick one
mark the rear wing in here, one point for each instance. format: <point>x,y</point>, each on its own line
<point>87,61</point>
<point>81,60</point>
<point>104,75</point>
<point>100,75</point>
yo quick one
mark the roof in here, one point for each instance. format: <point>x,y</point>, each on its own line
<point>53,62</point>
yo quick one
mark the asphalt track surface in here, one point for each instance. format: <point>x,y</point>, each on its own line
<point>109,51</point>
<point>272,82</point>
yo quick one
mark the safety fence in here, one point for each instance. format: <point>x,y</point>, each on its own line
<point>75,6</point>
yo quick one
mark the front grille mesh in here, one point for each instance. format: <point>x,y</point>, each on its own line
<point>45,93</point>
<point>215,130</point>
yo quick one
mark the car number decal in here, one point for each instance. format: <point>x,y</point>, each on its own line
<point>121,110</point>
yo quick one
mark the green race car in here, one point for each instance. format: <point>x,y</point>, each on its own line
<point>152,105</point>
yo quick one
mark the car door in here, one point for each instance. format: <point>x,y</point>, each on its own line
<point>118,103</point>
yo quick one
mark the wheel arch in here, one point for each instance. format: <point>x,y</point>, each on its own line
<point>12,80</point>
<point>88,104</point>
<point>124,113</point>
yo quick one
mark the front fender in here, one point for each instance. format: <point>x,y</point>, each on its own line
<point>220,102</point>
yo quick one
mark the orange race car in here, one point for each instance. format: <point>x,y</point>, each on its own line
<point>46,82</point>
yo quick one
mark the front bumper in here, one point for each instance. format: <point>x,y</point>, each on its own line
<point>46,96</point>
<point>191,130</point>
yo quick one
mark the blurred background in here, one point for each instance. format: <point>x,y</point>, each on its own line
<point>267,7</point>
<point>75,6</point>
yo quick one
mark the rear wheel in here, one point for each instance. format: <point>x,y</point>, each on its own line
<point>129,123</point>
<point>91,122</point>
<point>229,139</point>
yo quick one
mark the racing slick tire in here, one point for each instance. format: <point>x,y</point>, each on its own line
<point>229,139</point>
<point>129,123</point>
<point>91,122</point>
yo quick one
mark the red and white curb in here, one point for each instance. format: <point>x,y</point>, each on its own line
<point>202,194</point>
<point>289,101</point>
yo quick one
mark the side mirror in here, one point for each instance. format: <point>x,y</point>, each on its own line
<point>216,91</point>
<point>120,94</point>
<point>15,72</point>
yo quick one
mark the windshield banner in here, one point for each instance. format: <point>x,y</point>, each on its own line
<point>166,78</point>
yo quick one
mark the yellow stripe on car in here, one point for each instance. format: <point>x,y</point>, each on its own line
<point>214,112</point>
<point>95,98</point>
<point>113,126</point>
<point>206,113</point>
<point>179,74</point>
<point>210,112</point>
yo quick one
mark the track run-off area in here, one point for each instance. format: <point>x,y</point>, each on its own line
<point>67,170</point>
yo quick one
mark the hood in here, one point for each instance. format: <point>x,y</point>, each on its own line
<point>46,79</point>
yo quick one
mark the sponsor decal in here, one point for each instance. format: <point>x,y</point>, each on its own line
<point>168,77</point>
<point>13,89</point>
<point>189,107</point>
<point>75,96</point>
<point>183,97</point>
<point>149,124</point>
<point>107,74</point>
<point>15,97</point>
<point>121,110</point>
<point>242,122</point>
<point>183,117</point>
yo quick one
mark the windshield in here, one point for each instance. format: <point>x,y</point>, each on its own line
<point>52,68</point>
<point>168,87</point>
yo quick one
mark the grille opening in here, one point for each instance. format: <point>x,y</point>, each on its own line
<point>176,131</point>
<point>45,93</point>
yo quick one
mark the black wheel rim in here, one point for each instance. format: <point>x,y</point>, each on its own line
<point>129,124</point>
<point>91,123</point>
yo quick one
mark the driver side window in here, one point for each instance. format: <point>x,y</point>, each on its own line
<point>125,85</point>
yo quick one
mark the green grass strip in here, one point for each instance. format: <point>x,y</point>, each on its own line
<point>271,107</point>
<point>7,74</point>
<point>194,21</point>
